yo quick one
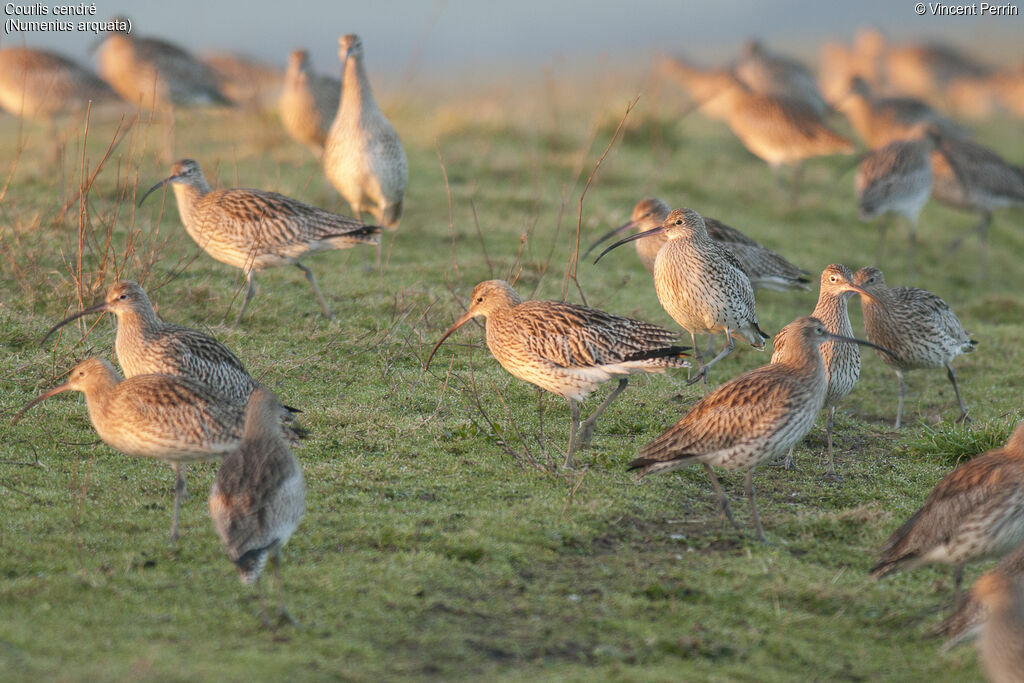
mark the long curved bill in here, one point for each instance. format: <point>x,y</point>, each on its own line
<point>640,235</point>
<point>862,342</point>
<point>92,309</point>
<point>39,399</point>
<point>466,317</point>
<point>157,187</point>
<point>610,233</point>
<point>857,289</point>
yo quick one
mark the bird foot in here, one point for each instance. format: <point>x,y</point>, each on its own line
<point>284,618</point>
<point>586,435</point>
<point>702,375</point>
<point>832,475</point>
<point>964,419</point>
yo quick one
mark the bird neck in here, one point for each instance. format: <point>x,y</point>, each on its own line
<point>188,195</point>
<point>832,310</point>
<point>356,93</point>
<point>98,394</point>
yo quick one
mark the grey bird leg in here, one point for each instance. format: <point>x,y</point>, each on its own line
<point>749,486</point>
<point>249,293</point>
<point>883,227</point>
<point>711,345</point>
<point>986,219</point>
<point>725,352</point>
<point>263,605</point>
<point>794,190</point>
<point>540,412</point>
<point>787,464</point>
<point>723,502</point>
<point>587,429</point>
<point>180,492</point>
<point>964,418</point>
<point>283,616</point>
<point>958,579</point>
<point>316,289</point>
<point>831,473</point>
<point>903,393</point>
<point>574,411</point>
<point>696,354</point>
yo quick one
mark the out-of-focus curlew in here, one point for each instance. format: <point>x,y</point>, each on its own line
<point>895,179</point>
<point>256,229</point>
<point>309,102</point>
<point>768,73</point>
<point>245,80</point>
<point>970,615</point>
<point>39,84</point>
<point>568,349</point>
<point>880,121</point>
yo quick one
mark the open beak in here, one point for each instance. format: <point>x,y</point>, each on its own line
<point>862,342</point>
<point>605,236</point>
<point>52,392</point>
<point>156,187</point>
<point>102,306</point>
<point>640,235</point>
<point>466,317</point>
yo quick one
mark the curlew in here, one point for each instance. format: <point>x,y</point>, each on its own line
<point>752,419</point>
<point>701,285</point>
<point>255,229</point>
<point>703,85</point>
<point>146,345</point>
<point>895,179</point>
<point>975,511</point>
<point>308,102</point>
<point>964,623</point>
<point>768,73</point>
<point>153,73</point>
<point>245,80</point>
<point>154,416</point>
<point>765,268</point>
<point>40,84</point>
<point>567,349</point>
<point>842,361</point>
<point>363,157</point>
<point>258,497</point>
<point>1001,640</point>
<point>881,121</point>
<point>917,326</point>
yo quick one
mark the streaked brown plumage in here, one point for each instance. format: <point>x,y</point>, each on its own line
<point>154,73</point>
<point>1001,640</point>
<point>881,121</point>
<point>768,73</point>
<point>258,497</point>
<point>701,285</point>
<point>926,69</point>
<point>309,102</point>
<point>842,361</point>
<point>895,179</point>
<point>703,85</point>
<point>256,229</point>
<point>765,268</point>
<point>917,326</point>
<point>566,348</point>
<point>363,157</point>
<point>970,615</point>
<point>751,419</point>
<point>39,84</point>
<point>155,416</point>
<point>245,80</point>
<point>975,511</point>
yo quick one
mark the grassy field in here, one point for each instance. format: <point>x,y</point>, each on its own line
<point>440,541</point>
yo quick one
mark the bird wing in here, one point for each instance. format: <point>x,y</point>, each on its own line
<point>726,234</point>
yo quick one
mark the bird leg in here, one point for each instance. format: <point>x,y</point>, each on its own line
<point>831,473</point>
<point>587,429</point>
<point>283,616</point>
<point>986,219</point>
<point>883,228</point>
<point>958,579</point>
<point>723,502</point>
<point>574,411</point>
<point>316,289</point>
<point>249,293</point>
<point>964,418</point>
<point>794,190</point>
<point>787,464</point>
<point>180,492</point>
<point>731,344</point>
<point>263,605</point>
<point>749,485</point>
<point>696,354</point>
<point>903,393</point>
<point>540,412</point>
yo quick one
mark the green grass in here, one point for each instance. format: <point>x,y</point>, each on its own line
<point>438,542</point>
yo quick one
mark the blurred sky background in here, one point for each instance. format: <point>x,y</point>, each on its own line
<point>466,38</point>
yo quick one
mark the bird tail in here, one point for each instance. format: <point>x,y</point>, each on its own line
<point>666,357</point>
<point>364,234</point>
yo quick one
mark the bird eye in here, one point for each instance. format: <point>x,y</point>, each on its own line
<point>480,300</point>
<point>679,222</point>
<point>833,279</point>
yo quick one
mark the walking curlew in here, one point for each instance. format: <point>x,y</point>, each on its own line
<point>895,179</point>
<point>842,361</point>
<point>258,497</point>
<point>917,326</point>
<point>881,121</point>
<point>975,511</point>
<point>154,416</point>
<point>309,102</point>
<point>40,84</point>
<point>971,614</point>
<point>701,285</point>
<point>153,73</point>
<point>567,349</point>
<point>765,268</point>
<point>255,229</point>
<point>363,157</point>
<point>767,73</point>
<point>146,345</point>
<point>751,419</point>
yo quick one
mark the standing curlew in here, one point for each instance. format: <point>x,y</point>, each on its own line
<point>363,157</point>
<point>895,179</point>
<point>701,285</point>
<point>964,624</point>
<point>309,102</point>
<point>258,497</point>
<point>154,416</point>
<point>567,349</point>
<point>842,361</point>
<point>703,85</point>
<point>917,326</point>
<point>153,73</point>
<point>39,84</point>
<point>146,345</point>
<point>975,511</point>
<point>880,121</point>
<point>245,80</point>
<point>255,229</point>
<point>751,419</point>
<point>767,73</point>
<point>765,268</point>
